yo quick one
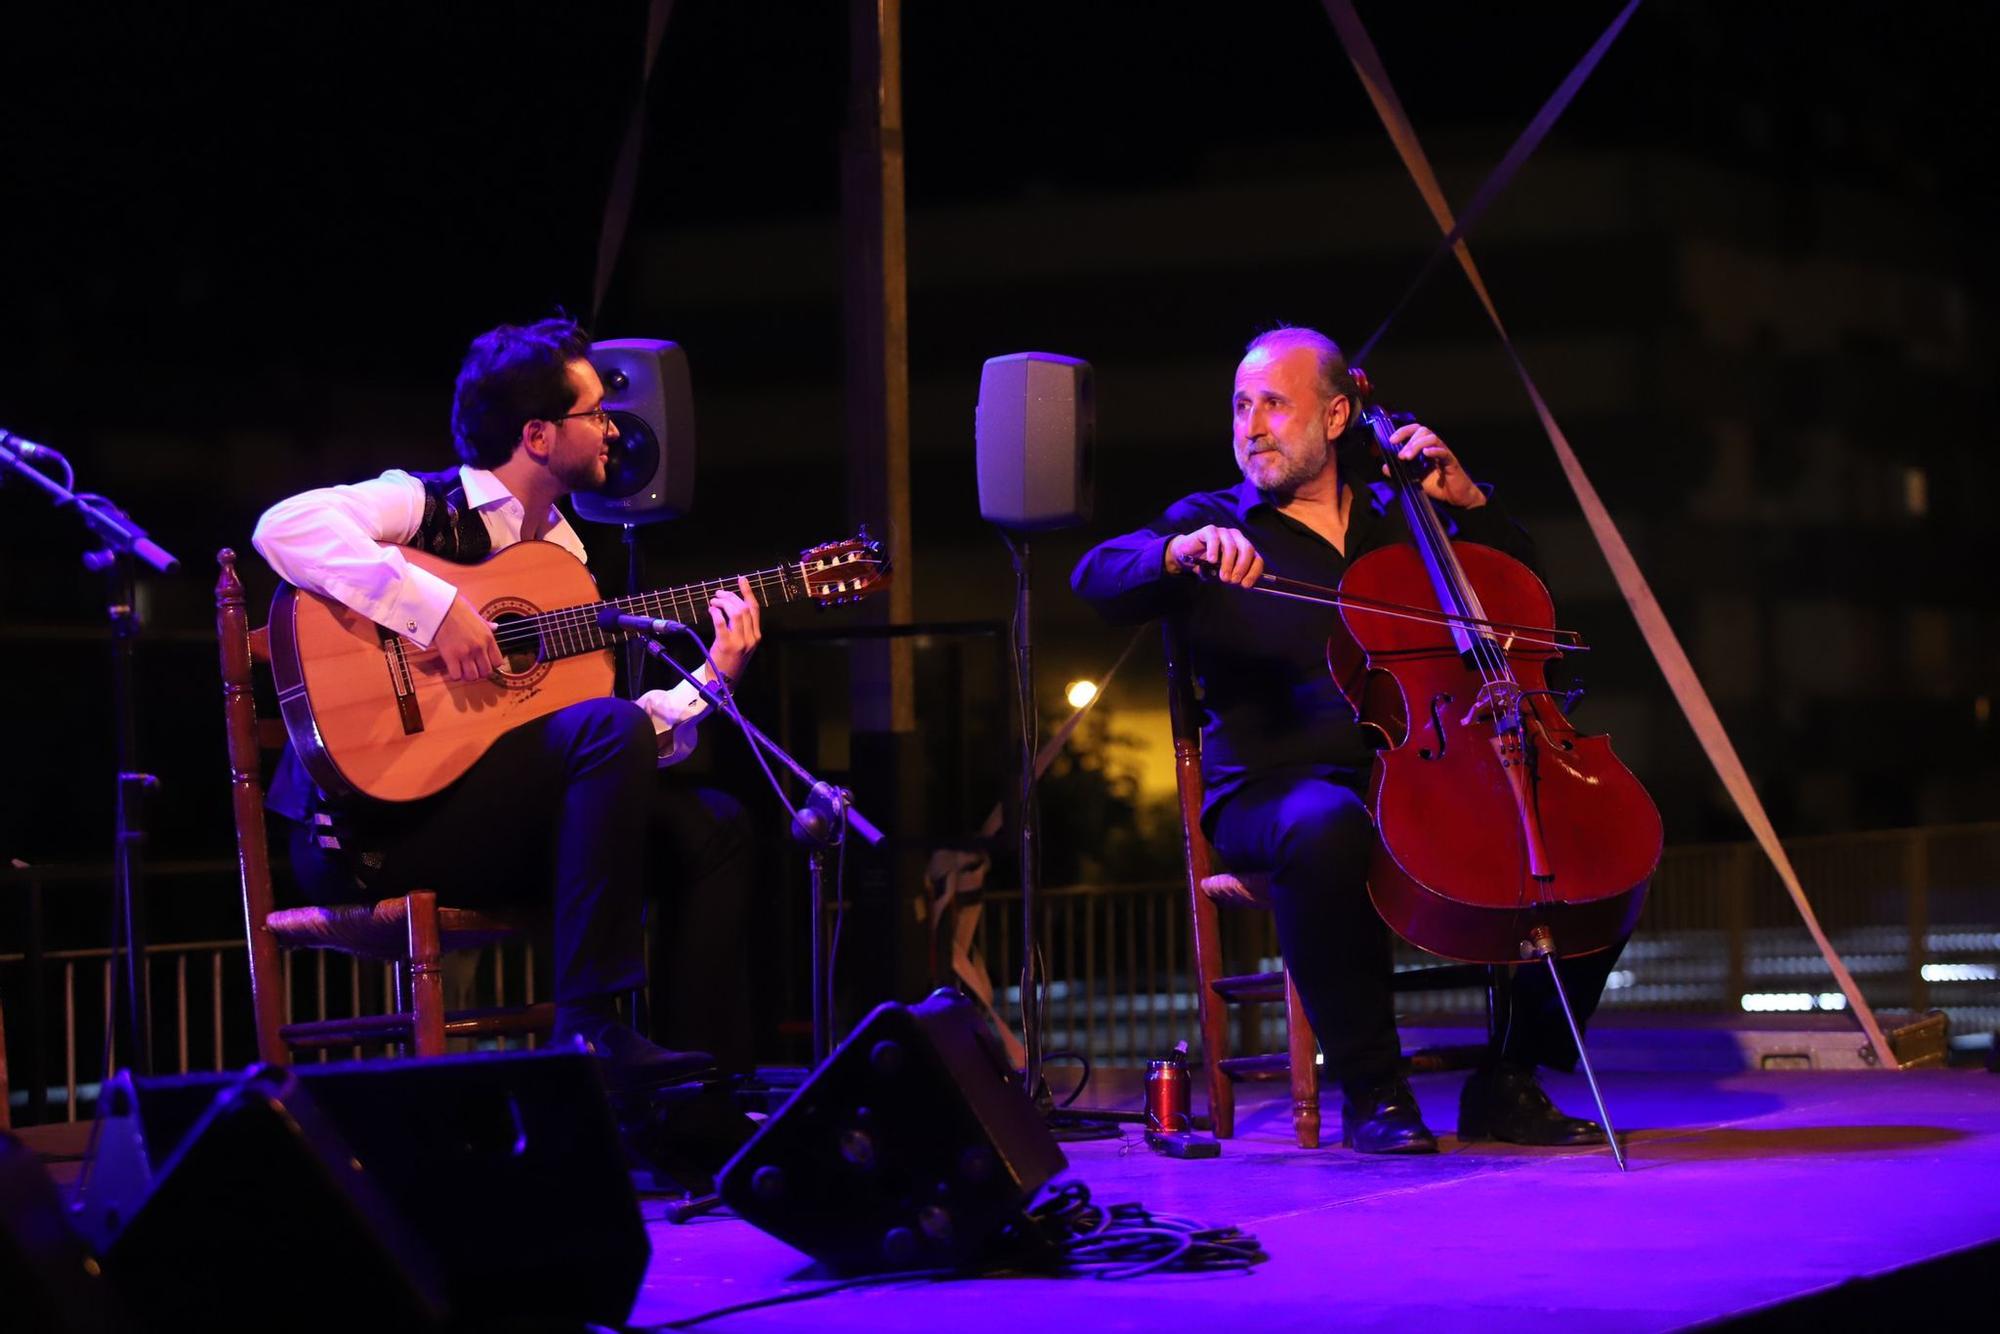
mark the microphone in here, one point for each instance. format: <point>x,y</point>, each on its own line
<point>610,618</point>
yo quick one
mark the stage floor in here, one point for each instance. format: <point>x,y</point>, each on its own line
<point>1746,1191</point>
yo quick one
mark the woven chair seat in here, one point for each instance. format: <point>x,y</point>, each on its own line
<point>381,930</point>
<point>1248,889</point>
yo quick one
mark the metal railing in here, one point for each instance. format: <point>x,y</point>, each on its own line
<point>202,1013</point>
<point>1914,913</point>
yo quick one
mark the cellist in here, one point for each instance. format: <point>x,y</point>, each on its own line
<point>1284,762</point>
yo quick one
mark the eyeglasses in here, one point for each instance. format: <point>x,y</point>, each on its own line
<point>596,414</point>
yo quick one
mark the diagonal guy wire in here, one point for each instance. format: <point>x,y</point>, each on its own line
<point>1688,690</point>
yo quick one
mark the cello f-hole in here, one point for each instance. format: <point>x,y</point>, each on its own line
<point>1442,697</point>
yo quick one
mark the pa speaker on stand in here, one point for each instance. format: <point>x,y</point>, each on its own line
<point>1037,420</point>
<point>650,477</point>
<point>648,394</point>
<point>1034,432</point>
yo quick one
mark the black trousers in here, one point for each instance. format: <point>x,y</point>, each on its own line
<point>699,898</point>
<point>569,813</point>
<point>1315,837</point>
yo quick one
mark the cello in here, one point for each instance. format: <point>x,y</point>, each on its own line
<point>1503,833</point>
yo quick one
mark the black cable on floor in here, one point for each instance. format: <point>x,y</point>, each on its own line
<point>1083,1081</point>
<point>1065,1235</point>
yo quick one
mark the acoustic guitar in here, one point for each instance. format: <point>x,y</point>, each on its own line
<point>372,714</point>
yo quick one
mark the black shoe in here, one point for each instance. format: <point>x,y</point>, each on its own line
<point>631,1063</point>
<point>1504,1101</point>
<point>1386,1120</point>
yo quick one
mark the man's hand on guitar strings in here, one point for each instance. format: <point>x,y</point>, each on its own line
<point>465,644</point>
<point>738,628</point>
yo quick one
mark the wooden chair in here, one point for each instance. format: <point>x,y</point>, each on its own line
<point>410,932</point>
<point>1211,884</point>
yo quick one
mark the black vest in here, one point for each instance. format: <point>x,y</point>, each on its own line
<point>451,530</point>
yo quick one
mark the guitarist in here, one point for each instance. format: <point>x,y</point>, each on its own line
<point>567,803</point>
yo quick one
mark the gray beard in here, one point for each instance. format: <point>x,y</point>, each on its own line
<point>1297,473</point>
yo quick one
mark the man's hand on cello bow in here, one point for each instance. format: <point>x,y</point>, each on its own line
<point>1226,550</point>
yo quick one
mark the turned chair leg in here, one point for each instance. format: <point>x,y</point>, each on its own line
<point>1304,1051</point>
<point>1215,1050</point>
<point>426,979</point>
<point>1221,1100</point>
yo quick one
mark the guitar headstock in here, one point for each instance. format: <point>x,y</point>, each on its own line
<point>844,571</point>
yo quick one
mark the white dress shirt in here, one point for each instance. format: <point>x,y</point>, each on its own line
<point>342,541</point>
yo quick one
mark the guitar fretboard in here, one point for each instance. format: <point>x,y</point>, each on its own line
<point>567,631</point>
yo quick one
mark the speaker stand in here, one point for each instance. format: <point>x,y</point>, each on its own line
<point>1032,1080</point>
<point>635,648</point>
<point>1063,1123</point>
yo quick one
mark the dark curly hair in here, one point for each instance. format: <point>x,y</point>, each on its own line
<point>513,375</point>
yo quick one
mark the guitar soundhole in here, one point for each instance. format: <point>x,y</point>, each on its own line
<point>520,647</point>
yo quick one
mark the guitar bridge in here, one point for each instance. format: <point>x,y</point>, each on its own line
<point>395,651</point>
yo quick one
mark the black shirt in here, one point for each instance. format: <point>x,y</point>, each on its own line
<point>1259,662</point>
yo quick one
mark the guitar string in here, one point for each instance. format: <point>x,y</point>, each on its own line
<point>580,621</point>
<point>575,629</point>
<point>1489,657</point>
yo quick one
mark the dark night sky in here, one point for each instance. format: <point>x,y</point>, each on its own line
<point>234,236</point>
<point>342,191</point>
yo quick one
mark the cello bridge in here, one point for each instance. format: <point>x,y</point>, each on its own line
<point>1498,700</point>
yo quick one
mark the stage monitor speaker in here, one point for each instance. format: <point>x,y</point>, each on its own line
<point>264,1216</point>
<point>506,1167</point>
<point>909,1148</point>
<point>682,1136</point>
<point>651,473</point>
<point>1036,423</point>
<point>49,1280</point>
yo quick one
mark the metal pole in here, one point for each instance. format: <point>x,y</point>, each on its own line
<point>821,1020</point>
<point>1541,943</point>
<point>635,649</point>
<point>887,764</point>
<point>127,869</point>
<point>876,304</point>
<point>1031,988</point>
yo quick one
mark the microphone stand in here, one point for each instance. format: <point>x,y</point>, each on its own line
<point>124,541</point>
<point>821,825</point>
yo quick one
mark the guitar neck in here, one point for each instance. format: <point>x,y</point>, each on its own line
<point>571,630</point>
